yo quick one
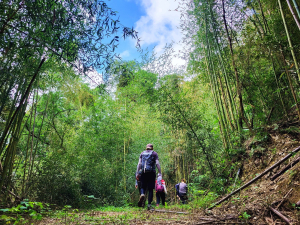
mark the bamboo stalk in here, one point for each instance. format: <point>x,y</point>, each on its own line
<point>21,102</point>
<point>296,7</point>
<point>229,92</point>
<point>277,83</point>
<point>290,83</point>
<point>280,215</point>
<point>222,127</point>
<point>289,40</point>
<point>294,15</point>
<point>238,85</point>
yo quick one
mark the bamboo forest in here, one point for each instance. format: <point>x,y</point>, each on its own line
<point>76,118</point>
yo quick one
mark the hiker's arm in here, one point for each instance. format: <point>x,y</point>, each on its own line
<point>139,165</point>
<point>158,166</point>
<point>136,183</point>
<point>177,190</point>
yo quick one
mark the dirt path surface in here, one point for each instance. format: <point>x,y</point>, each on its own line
<point>142,217</point>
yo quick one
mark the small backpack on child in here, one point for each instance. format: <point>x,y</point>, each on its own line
<point>159,188</point>
<point>160,185</point>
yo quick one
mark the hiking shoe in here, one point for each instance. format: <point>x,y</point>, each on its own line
<point>141,202</point>
<point>149,207</point>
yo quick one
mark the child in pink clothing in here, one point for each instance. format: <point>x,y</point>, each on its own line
<point>160,189</point>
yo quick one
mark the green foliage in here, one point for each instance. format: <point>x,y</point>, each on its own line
<point>24,212</point>
<point>68,143</point>
<point>245,216</point>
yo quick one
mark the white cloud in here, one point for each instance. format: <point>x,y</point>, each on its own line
<point>160,25</point>
<point>125,54</point>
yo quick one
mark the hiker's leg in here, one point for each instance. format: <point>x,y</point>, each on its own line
<point>181,198</point>
<point>139,186</point>
<point>143,184</point>
<point>163,198</point>
<point>151,185</point>
<point>157,199</point>
<point>150,196</point>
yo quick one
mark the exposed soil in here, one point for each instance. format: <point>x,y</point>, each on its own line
<point>256,199</point>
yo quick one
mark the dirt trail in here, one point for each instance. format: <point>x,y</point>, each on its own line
<point>142,217</point>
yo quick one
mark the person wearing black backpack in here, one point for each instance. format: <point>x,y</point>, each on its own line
<point>146,173</point>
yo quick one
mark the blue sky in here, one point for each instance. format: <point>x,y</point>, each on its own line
<point>155,20</point>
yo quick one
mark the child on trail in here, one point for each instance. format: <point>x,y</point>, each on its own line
<point>181,191</point>
<point>146,173</point>
<point>161,191</point>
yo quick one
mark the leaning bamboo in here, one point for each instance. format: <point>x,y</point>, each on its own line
<point>296,7</point>
<point>285,169</point>
<point>258,177</point>
<point>294,15</point>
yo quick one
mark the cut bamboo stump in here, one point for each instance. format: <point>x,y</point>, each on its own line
<point>257,178</point>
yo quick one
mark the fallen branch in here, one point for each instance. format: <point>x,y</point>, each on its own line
<point>16,196</point>
<point>284,198</point>
<point>164,211</point>
<point>258,177</point>
<point>285,169</point>
<point>217,220</point>
<point>280,215</point>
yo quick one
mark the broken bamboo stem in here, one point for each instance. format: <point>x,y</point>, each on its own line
<point>285,169</point>
<point>280,215</point>
<point>284,198</point>
<point>258,177</point>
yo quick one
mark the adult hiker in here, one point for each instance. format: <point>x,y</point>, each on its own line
<point>146,173</point>
<point>160,190</point>
<point>181,191</point>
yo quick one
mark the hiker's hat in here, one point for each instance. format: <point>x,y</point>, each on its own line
<point>149,147</point>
